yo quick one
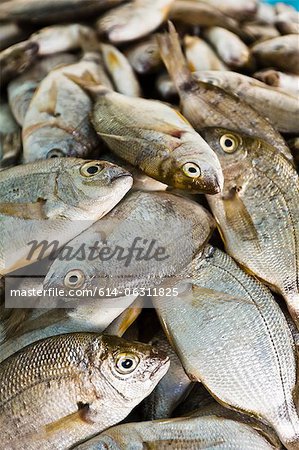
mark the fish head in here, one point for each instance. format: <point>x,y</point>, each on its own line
<point>132,368</point>
<point>196,171</point>
<point>91,186</point>
<point>52,142</point>
<point>234,150</point>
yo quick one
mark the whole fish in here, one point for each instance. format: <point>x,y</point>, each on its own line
<point>281,52</point>
<point>60,38</point>
<point>229,46</point>
<point>280,107</point>
<point>144,56</point>
<point>134,20</point>
<point>186,433</point>
<point>200,13</point>
<point>120,71</point>
<point>65,389</point>
<point>220,310</point>
<point>54,201</point>
<point>155,138</point>
<point>159,219</point>
<point>16,59</point>
<point>200,56</point>
<point>21,90</point>
<point>258,211</point>
<point>57,121</point>
<point>171,390</point>
<point>10,137</point>
<point>205,105</point>
<point>286,81</point>
<point>52,11</point>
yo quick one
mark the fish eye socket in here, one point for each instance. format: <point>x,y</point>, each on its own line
<point>126,363</point>
<point>191,170</point>
<point>229,143</point>
<point>90,169</point>
<point>74,279</point>
<point>55,153</point>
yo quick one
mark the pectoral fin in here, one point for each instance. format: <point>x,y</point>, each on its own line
<point>27,211</point>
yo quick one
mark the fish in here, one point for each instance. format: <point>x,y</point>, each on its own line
<point>206,106</point>
<point>52,11</point>
<point>57,121</point>
<point>171,390</point>
<point>60,38</point>
<point>200,56</point>
<point>52,201</point>
<point>120,71</point>
<point>286,81</point>
<point>240,10</point>
<point>16,59</point>
<point>265,14</point>
<point>146,220</point>
<point>281,52</point>
<point>259,32</point>
<point>229,47</point>
<point>287,24</point>
<point>65,389</point>
<point>144,56</point>
<point>155,138</point>
<point>257,212</point>
<point>183,433</point>
<point>21,90</point>
<point>10,137</point>
<point>220,310</point>
<point>280,107</point>
<point>200,13</point>
<point>133,21</point>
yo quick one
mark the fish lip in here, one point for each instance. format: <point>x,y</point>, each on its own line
<point>164,362</point>
<point>121,175</point>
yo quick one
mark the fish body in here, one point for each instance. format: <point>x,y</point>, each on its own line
<point>65,389</point>
<point>53,201</point>
<point>10,137</point>
<point>220,310</point>
<point>134,20</point>
<point>21,90</point>
<point>239,10</point>
<point>120,71</point>
<point>258,213</point>
<point>57,121</point>
<point>60,38</point>
<point>280,107</point>
<point>200,56</point>
<point>52,11</point>
<point>207,106</point>
<point>229,46</point>
<point>16,59</point>
<point>185,433</point>
<point>160,216</point>
<point>281,52</point>
<point>157,139</point>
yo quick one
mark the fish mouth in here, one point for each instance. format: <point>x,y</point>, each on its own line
<point>120,175</point>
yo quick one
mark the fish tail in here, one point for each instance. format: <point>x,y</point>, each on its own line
<point>174,59</point>
<point>88,84</point>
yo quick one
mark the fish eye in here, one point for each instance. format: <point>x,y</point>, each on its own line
<point>191,170</point>
<point>74,279</point>
<point>126,363</point>
<point>55,153</point>
<point>229,143</point>
<point>90,169</point>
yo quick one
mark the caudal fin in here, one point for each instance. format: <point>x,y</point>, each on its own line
<point>174,59</point>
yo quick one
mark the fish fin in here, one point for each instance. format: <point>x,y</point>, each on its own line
<point>120,325</point>
<point>238,218</point>
<point>34,211</point>
<point>52,100</point>
<point>217,296</point>
<point>88,83</point>
<point>174,59</point>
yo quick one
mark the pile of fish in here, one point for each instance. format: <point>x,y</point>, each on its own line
<point>131,124</point>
